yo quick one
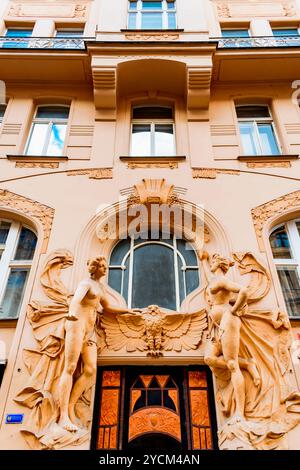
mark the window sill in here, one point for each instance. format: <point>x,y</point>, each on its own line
<point>152,30</point>
<point>267,158</point>
<point>136,158</point>
<point>36,159</point>
<point>8,322</point>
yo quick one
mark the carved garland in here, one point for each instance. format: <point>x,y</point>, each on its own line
<point>265,212</point>
<point>40,212</point>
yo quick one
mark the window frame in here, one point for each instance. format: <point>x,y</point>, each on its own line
<point>130,255</point>
<point>50,122</point>
<point>7,261</point>
<point>139,11</point>
<point>255,123</point>
<point>74,30</point>
<point>294,242</point>
<point>2,118</point>
<point>236,29</point>
<point>153,123</point>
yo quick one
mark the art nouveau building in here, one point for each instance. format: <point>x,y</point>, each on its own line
<point>114,105</point>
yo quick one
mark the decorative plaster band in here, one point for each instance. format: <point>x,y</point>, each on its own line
<point>42,213</point>
<point>170,165</point>
<point>211,173</point>
<point>93,173</point>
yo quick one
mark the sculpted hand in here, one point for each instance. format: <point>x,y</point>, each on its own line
<point>134,311</point>
<point>203,255</point>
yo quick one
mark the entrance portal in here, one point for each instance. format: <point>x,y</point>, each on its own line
<point>155,408</point>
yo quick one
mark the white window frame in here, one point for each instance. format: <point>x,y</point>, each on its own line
<point>139,11</point>
<point>153,123</point>
<point>176,253</point>
<point>255,122</point>
<point>50,123</point>
<point>18,28</point>
<point>294,241</point>
<point>235,29</point>
<point>7,261</point>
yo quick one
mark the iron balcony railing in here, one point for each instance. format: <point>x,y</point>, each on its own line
<point>256,42</point>
<point>79,43</point>
<point>43,43</point>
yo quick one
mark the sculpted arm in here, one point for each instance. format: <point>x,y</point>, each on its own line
<point>235,288</point>
<point>204,257</point>
<point>104,301</point>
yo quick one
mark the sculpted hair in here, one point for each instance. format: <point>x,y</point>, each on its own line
<point>94,263</point>
<point>224,263</point>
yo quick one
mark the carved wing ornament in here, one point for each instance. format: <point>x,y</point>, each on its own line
<point>154,333</point>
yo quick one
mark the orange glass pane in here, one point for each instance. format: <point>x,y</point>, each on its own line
<point>113,438</point>
<point>146,379</point>
<point>109,407</point>
<point>111,378</point>
<point>173,394</point>
<point>199,408</point>
<point>100,439</point>
<point>208,439</point>
<point>196,439</point>
<point>106,438</point>
<point>197,379</point>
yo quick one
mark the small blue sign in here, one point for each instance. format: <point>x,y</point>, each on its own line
<point>14,419</point>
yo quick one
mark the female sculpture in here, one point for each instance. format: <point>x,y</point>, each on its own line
<point>225,324</point>
<point>80,341</point>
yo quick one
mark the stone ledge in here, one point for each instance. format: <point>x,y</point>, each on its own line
<point>267,158</point>
<point>36,159</point>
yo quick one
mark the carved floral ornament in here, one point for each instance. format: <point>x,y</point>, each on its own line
<point>40,212</point>
<point>51,9</point>
<point>266,212</point>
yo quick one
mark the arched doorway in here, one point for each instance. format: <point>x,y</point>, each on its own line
<point>154,408</point>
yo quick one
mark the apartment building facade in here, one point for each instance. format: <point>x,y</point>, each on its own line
<point>110,109</point>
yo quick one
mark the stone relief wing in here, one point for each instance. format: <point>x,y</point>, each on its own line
<point>124,330</point>
<point>260,281</point>
<point>50,278</point>
<point>184,331</point>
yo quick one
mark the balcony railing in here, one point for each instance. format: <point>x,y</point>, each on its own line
<point>43,43</point>
<point>254,42</point>
<point>79,43</point>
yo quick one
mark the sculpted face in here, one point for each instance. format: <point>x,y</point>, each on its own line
<point>97,268</point>
<point>220,262</point>
<point>102,268</point>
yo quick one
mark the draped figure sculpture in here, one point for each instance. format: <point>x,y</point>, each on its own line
<point>225,325</point>
<point>80,340</point>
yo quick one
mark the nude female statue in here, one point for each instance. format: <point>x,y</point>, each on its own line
<point>225,321</point>
<point>80,340</point>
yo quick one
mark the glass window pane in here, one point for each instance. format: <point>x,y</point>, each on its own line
<point>248,136</point>
<point>152,21</point>
<point>115,279</point>
<point>26,245</point>
<point>141,140</point>
<point>153,277</point>
<point>172,20</point>
<point>187,252</point>
<point>267,139</point>
<point>164,140</point>
<point>37,139</point>
<point>69,34</point>
<point>253,112</point>
<point>298,227</point>
<point>18,33</point>
<point>13,293</point>
<point>53,112</point>
<point>152,5</point>
<point>171,5</point>
<point>152,112</point>
<point>132,5</point>
<point>57,140</point>
<point>290,285</point>
<point>192,280</point>
<point>4,229</point>
<point>132,21</point>
<point>235,33</point>
<point>2,111</point>
<point>119,252</point>
<point>280,244</point>
<point>285,32</point>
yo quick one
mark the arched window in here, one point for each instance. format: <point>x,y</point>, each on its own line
<point>48,131</point>
<point>285,245</point>
<point>17,247</point>
<point>161,272</point>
